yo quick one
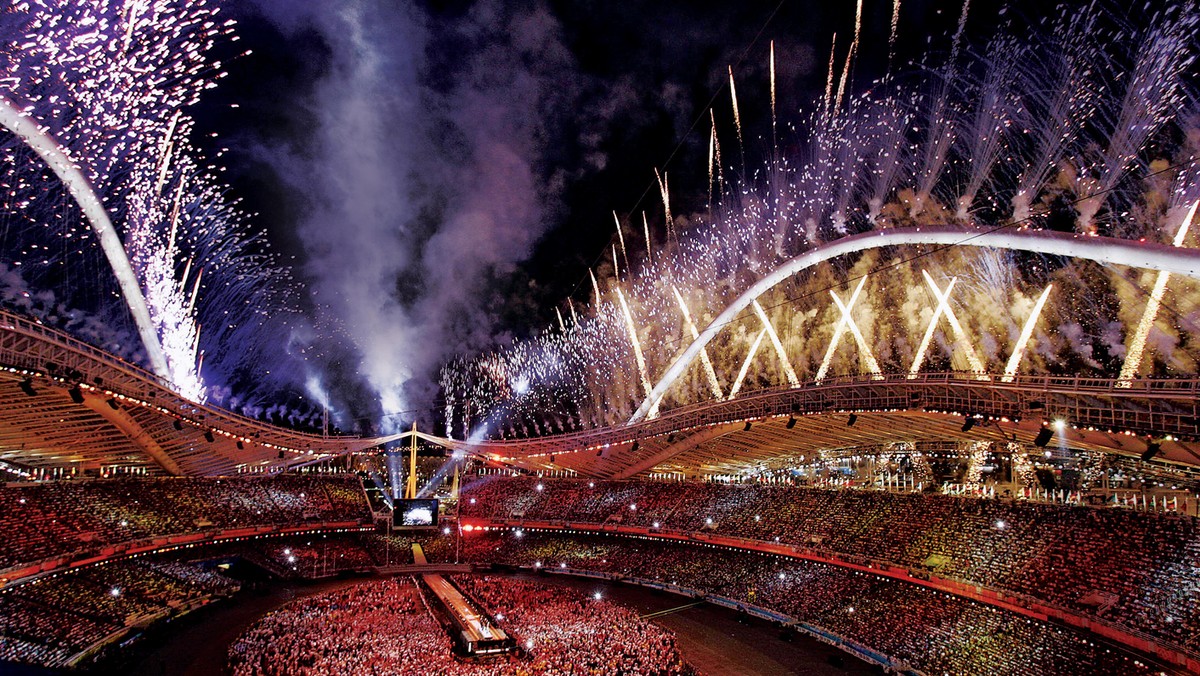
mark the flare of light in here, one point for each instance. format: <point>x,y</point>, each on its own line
<point>195,290</point>
<point>864,349</point>
<point>841,92</point>
<point>595,286</point>
<point>793,380</point>
<point>772,89</point>
<point>1137,346</point>
<point>857,25</point>
<point>716,147</point>
<point>841,89</point>
<point>164,150</point>
<point>562,326</point>
<point>737,117</point>
<point>1010,370</point>
<point>637,345</point>
<point>691,326</point>
<point>621,239</point>
<point>892,35</point>
<point>844,324</point>
<point>646,232</point>
<point>737,384</point>
<point>838,330</point>
<point>829,78</point>
<point>664,190</point>
<point>958,34</point>
<point>928,337</point>
<point>960,336</point>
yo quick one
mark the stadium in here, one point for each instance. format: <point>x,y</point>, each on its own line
<point>905,382</point>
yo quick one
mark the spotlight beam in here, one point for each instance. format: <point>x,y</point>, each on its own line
<point>691,327</point>
<point>864,348</point>
<point>637,345</point>
<point>847,323</point>
<point>737,384</point>
<point>1014,362</point>
<point>838,330</point>
<point>933,321</point>
<point>793,380</point>
<point>1137,346</point>
<point>960,336</point>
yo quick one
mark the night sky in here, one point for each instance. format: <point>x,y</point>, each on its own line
<point>445,174</point>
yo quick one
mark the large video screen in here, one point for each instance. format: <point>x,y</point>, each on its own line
<point>415,514</point>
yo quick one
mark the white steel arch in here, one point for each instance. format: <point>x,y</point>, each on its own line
<point>81,190</point>
<point>1145,255</point>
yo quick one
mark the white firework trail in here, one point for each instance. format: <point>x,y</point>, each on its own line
<point>973,149</point>
<point>741,376</point>
<point>1137,344</point>
<point>1014,361</point>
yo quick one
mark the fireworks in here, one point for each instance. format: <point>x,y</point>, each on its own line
<point>103,89</point>
<point>969,176</point>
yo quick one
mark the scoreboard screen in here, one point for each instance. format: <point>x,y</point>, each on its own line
<point>415,514</point>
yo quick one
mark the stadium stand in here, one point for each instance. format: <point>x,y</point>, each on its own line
<point>1137,569</point>
<point>76,518</point>
<point>903,625</point>
<point>57,620</point>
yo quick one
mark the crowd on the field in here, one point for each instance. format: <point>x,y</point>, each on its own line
<point>384,627</point>
<point>1138,569</point>
<point>50,621</point>
<point>568,632</point>
<point>925,629</point>
<point>45,520</point>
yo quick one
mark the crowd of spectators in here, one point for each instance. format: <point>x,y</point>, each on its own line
<point>566,632</point>
<point>384,627</point>
<point>920,627</point>
<point>67,518</point>
<point>368,628</point>
<point>324,555</point>
<point>51,621</point>
<point>1138,569</point>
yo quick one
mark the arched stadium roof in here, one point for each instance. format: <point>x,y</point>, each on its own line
<point>66,404</point>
